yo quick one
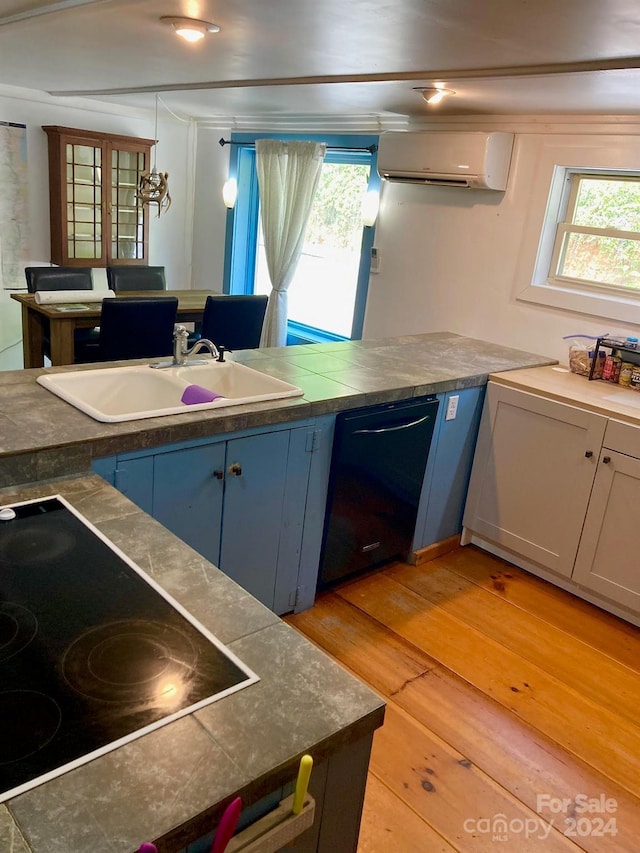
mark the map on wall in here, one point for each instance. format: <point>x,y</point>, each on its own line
<point>13,205</point>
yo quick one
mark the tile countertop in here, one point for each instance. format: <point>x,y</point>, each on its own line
<point>170,785</point>
<point>41,436</point>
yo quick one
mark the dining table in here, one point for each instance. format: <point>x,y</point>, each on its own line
<point>59,321</point>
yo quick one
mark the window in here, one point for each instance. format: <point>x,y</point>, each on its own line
<point>328,294</point>
<point>598,242</point>
<point>581,224</point>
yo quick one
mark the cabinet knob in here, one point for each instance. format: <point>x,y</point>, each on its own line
<point>606,459</point>
<point>589,454</point>
<point>235,468</point>
<point>218,475</point>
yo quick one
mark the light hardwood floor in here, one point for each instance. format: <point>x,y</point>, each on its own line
<point>513,709</point>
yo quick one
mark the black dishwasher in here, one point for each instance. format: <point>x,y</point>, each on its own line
<point>377,468</point>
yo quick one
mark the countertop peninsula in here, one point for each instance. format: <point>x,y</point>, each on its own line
<point>171,785</point>
<point>41,436</point>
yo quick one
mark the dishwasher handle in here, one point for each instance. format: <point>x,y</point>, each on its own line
<point>395,428</point>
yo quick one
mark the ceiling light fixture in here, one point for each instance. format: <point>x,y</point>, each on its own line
<point>434,94</point>
<point>190,29</point>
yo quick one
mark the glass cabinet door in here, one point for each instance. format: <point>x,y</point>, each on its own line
<point>127,217</point>
<point>84,201</point>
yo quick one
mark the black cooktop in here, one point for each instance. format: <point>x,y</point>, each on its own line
<point>93,653</point>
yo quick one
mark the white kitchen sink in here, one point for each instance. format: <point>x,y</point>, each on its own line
<point>131,393</point>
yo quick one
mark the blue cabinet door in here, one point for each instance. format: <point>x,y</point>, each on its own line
<point>292,524</point>
<point>449,468</point>
<point>188,487</point>
<point>134,478</point>
<point>256,470</point>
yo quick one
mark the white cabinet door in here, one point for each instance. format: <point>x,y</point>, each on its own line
<point>533,470</point>
<point>607,561</point>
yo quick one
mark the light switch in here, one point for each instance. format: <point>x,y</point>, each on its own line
<point>375,260</point>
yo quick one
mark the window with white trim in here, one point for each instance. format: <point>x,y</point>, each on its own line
<point>597,240</point>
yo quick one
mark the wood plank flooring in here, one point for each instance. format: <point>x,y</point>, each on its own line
<point>513,709</point>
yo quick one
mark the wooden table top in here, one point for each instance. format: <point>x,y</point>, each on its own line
<point>188,300</point>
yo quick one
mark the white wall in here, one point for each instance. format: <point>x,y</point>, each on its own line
<point>210,214</point>
<point>171,236</point>
<point>450,259</point>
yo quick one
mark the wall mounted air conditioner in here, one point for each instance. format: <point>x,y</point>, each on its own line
<point>472,159</point>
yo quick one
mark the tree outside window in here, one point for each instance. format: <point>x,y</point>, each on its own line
<point>598,243</point>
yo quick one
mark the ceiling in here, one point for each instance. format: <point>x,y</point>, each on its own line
<point>331,61</point>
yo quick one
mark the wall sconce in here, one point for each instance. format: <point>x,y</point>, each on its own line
<point>370,208</point>
<point>230,193</point>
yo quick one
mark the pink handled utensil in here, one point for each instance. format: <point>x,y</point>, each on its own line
<point>227,826</point>
<point>147,848</point>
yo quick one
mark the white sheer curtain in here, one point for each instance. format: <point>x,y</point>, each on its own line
<point>288,175</point>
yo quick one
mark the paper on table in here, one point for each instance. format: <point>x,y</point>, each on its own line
<point>51,297</point>
<point>71,306</point>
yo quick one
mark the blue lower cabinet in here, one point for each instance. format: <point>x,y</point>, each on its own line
<point>255,486</point>
<point>240,501</point>
<point>187,495</point>
<point>134,478</point>
<point>448,470</point>
<point>253,503</point>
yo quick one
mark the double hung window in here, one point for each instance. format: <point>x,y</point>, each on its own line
<point>597,241</point>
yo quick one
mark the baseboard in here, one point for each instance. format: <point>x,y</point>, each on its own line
<point>437,549</point>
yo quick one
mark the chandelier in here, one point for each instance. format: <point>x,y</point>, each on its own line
<point>153,186</point>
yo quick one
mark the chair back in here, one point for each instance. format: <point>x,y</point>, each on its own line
<point>58,278</point>
<point>137,328</point>
<point>234,322</point>
<point>136,278</point>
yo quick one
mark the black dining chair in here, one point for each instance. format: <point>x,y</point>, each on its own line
<point>58,278</point>
<point>122,277</point>
<point>137,328</point>
<point>234,322</point>
<point>86,341</point>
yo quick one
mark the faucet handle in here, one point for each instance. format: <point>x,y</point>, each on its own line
<point>180,331</point>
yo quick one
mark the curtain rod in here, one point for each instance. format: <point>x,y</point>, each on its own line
<point>370,148</point>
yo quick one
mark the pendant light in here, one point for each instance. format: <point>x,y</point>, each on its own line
<point>153,186</point>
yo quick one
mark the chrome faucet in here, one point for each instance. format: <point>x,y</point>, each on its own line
<point>181,352</point>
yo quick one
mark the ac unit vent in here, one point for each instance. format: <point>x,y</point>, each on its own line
<point>471,159</point>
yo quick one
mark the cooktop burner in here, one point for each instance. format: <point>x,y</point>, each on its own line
<point>93,653</point>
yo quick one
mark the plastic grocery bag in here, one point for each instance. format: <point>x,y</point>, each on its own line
<point>582,354</point>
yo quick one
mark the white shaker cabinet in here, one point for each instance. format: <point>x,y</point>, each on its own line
<point>554,489</point>
<point>608,560</point>
<point>532,474</point>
